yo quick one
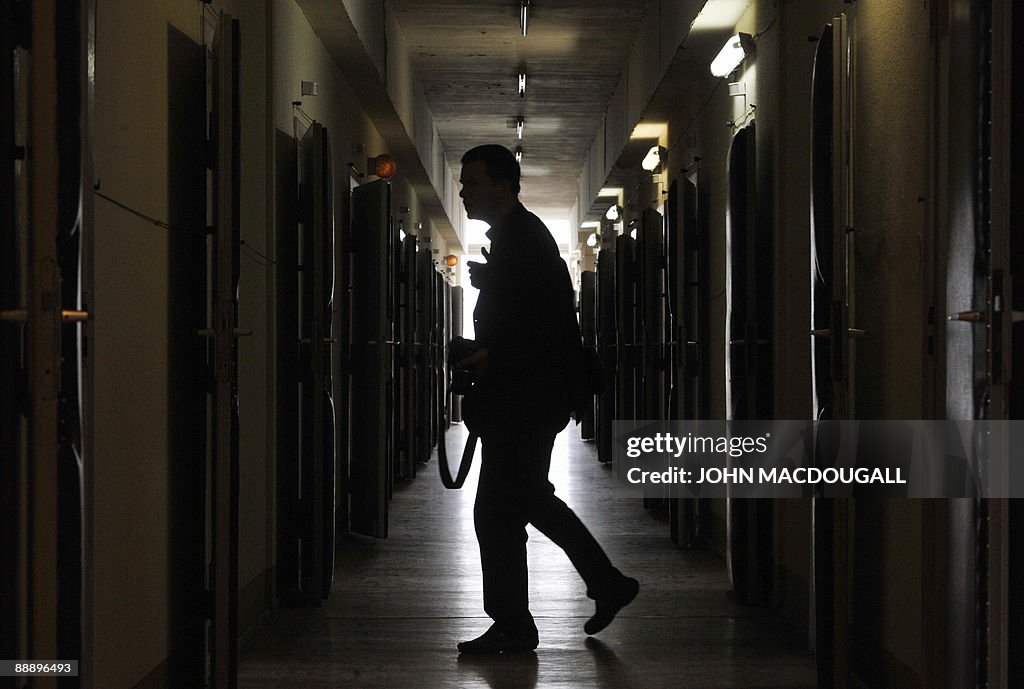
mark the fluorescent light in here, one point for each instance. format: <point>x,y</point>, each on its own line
<point>612,213</point>
<point>653,159</point>
<point>522,84</point>
<point>610,191</point>
<point>520,123</point>
<point>590,225</point>
<point>731,55</point>
<point>719,15</point>
<point>649,130</point>
<point>524,16</point>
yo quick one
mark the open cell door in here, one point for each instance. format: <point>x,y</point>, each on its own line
<point>588,329</point>
<point>607,347</point>
<point>846,570</point>
<point>458,312</point>
<point>831,336</point>
<point>653,313</point>
<point>372,354</point>
<point>12,267</point>
<point>45,214</point>
<point>309,436</point>
<point>688,303</point>
<point>822,290</point>
<point>222,317</point>
<point>748,361</point>
<point>423,361</point>
<point>627,354</point>
<point>406,445</point>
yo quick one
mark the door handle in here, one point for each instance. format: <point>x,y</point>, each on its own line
<point>968,316</point>
<point>21,316</point>
<point>850,332</point>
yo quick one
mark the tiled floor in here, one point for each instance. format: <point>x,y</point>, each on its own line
<point>400,605</point>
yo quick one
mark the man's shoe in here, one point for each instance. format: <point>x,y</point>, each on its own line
<point>496,641</point>
<point>608,608</point>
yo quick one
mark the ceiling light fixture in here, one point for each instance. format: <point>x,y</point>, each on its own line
<point>652,161</point>
<point>610,191</point>
<point>522,84</point>
<point>732,54</point>
<point>590,225</point>
<point>520,123</point>
<point>649,130</point>
<point>524,16</point>
<point>719,15</point>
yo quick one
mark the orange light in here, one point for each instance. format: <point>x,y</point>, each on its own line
<point>384,165</point>
<point>452,260</point>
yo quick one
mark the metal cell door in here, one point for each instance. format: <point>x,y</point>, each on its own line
<point>748,361</point>
<point>607,343</point>
<point>688,304</point>
<point>223,329</point>
<point>371,463</point>
<point>45,215</point>
<point>653,313</point>
<point>588,329</point>
<point>627,359</point>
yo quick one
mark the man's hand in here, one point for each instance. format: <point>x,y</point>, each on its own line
<point>478,271</point>
<point>477,363</point>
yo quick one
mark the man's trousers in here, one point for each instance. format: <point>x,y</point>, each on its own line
<point>514,491</point>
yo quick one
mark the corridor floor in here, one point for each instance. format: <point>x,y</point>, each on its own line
<point>400,605</point>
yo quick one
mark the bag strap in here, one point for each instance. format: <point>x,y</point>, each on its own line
<point>442,452</point>
<point>464,465</point>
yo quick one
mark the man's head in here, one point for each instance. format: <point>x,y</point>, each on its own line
<point>490,182</point>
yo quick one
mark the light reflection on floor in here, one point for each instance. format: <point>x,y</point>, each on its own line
<point>400,605</point>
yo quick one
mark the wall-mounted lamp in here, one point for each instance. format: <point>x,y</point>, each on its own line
<point>383,165</point>
<point>451,260</point>
<point>520,125</point>
<point>522,84</point>
<point>732,54</point>
<point>524,16</point>
<point>613,213</point>
<point>592,240</point>
<point>519,154</point>
<point>652,161</point>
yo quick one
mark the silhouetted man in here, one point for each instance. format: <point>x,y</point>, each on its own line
<point>526,370</point>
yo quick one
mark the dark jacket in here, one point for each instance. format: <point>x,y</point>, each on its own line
<point>525,316</point>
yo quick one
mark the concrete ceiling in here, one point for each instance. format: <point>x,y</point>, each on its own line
<point>467,55</point>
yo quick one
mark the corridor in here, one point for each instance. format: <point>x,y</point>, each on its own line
<point>400,605</point>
